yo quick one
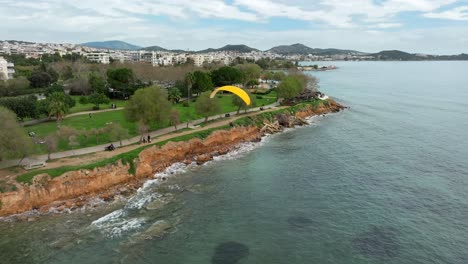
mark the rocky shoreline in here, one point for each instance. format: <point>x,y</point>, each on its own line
<point>77,189</point>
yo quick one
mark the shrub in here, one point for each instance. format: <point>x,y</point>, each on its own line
<point>185,104</point>
<point>259,97</point>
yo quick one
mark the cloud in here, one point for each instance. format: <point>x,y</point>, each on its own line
<point>458,13</point>
<point>358,24</point>
<point>387,25</point>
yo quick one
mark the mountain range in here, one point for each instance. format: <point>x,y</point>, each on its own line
<point>111,44</point>
<point>294,49</point>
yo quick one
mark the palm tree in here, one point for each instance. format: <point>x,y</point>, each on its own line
<point>189,79</point>
<point>56,105</point>
<point>174,95</point>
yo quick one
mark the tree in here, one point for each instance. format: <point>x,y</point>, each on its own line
<point>14,141</point>
<point>57,106</point>
<point>53,74</point>
<point>268,75</point>
<point>250,72</point>
<point>51,143</point>
<point>13,87</point>
<point>181,86</point>
<point>40,79</point>
<point>279,75</point>
<point>226,76</point>
<point>206,106</point>
<point>97,83</point>
<point>54,88</point>
<point>264,63</point>
<point>202,82</point>
<point>117,132</point>
<point>174,95</point>
<point>175,118</point>
<point>148,105</point>
<point>22,106</point>
<point>97,99</point>
<point>143,129</point>
<point>121,79</point>
<point>67,73</point>
<point>237,101</point>
<point>290,87</point>
<point>189,79</point>
<point>80,86</point>
<point>68,133</point>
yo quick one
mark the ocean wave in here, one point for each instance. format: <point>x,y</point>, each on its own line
<point>116,224</point>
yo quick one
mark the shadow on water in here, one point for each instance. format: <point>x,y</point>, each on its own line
<point>378,242</point>
<point>229,253</point>
<point>299,221</point>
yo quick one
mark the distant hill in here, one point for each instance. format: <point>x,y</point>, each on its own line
<point>237,48</point>
<point>301,49</point>
<point>397,55</point>
<point>112,44</point>
<point>154,48</point>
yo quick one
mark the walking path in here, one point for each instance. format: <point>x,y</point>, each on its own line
<point>157,133</point>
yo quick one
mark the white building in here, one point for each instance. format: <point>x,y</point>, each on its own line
<point>6,69</point>
<point>99,57</point>
<point>198,60</point>
<point>180,59</point>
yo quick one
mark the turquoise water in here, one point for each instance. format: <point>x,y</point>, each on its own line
<point>383,182</point>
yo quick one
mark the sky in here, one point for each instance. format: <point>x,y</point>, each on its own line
<point>418,26</point>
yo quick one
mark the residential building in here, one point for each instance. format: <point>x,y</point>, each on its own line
<point>198,60</point>
<point>99,57</point>
<point>7,69</point>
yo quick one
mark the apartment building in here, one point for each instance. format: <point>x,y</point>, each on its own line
<point>99,57</point>
<point>7,69</point>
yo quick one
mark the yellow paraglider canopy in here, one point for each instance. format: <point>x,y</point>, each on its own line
<point>235,90</point>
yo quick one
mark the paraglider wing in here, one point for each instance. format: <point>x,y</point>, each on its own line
<point>235,90</point>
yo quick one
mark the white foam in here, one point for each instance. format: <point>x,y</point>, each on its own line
<point>239,151</point>
<point>174,169</point>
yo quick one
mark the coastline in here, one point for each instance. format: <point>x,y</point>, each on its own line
<point>79,188</point>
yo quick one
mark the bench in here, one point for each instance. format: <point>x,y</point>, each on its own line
<point>34,165</point>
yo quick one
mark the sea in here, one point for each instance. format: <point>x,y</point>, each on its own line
<point>385,181</point>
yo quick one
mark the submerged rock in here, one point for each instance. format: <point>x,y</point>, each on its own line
<point>229,253</point>
<point>378,242</point>
<point>155,230</point>
<point>299,221</point>
<point>156,205</point>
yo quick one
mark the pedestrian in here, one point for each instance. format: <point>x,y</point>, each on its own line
<point>149,139</point>
<point>144,140</point>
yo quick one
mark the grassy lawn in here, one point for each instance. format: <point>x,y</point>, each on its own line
<point>84,123</point>
<point>89,107</point>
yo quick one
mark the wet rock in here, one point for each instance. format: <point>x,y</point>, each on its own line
<point>156,230</point>
<point>379,242</point>
<point>229,253</point>
<point>204,158</point>
<point>156,205</point>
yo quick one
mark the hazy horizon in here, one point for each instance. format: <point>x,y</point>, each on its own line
<point>415,26</point>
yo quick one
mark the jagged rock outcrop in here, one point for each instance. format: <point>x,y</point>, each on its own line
<point>73,189</point>
<point>82,184</point>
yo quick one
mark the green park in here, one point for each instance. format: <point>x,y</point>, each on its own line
<point>83,104</point>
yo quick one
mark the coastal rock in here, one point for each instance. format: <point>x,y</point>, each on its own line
<point>83,185</point>
<point>203,158</point>
<point>155,230</point>
<point>156,205</point>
